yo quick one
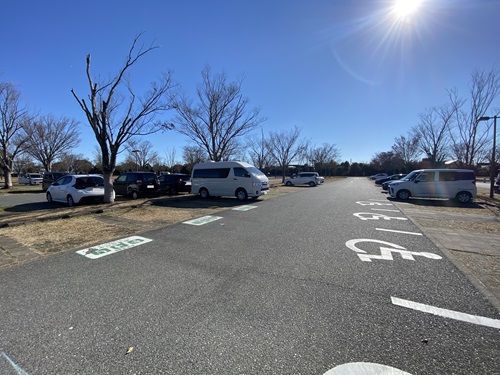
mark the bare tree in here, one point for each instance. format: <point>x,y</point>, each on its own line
<point>170,158</point>
<point>73,163</point>
<point>14,117</point>
<point>219,118</point>
<point>407,149</point>
<point>433,133</point>
<point>285,146</point>
<point>324,154</point>
<point>257,151</point>
<point>470,138</point>
<point>193,154</point>
<point>116,116</point>
<point>387,161</point>
<point>50,138</point>
<point>142,154</point>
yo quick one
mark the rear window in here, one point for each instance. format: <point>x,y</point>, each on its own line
<point>211,173</point>
<point>91,181</point>
<point>456,176</point>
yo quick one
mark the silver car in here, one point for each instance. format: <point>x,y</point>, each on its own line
<point>304,178</point>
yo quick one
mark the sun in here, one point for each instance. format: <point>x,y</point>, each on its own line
<point>405,8</point>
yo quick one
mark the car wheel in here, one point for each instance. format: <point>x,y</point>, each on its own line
<point>463,197</point>
<point>241,194</point>
<point>312,184</point>
<point>70,201</point>
<point>288,183</point>
<point>403,195</point>
<point>135,194</point>
<point>49,198</point>
<point>204,193</point>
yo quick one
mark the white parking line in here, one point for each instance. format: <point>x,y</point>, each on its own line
<point>243,208</point>
<point>202,220</point>
<point>474,319</point>
<point>381,209</point>
<point>398,231</point>
<point>18,370</point>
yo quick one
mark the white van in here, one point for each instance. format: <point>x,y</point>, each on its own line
<point>459,184</point>
<point>227,178</point>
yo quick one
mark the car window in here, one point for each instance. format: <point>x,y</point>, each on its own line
<point>64,180</point>
<point>132,177</point>
<point>426,176</point>
<point>241,172</point>
<point>446,176</point>
<point>121,178</point>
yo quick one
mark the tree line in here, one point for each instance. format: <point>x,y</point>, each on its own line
<point>450,132</point>
<point>218,121</point>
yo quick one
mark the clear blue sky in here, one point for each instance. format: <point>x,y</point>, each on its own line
<point>345,71</point>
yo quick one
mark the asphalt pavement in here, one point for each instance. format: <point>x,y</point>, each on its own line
<point>259,289</point>
<point>476,254</point>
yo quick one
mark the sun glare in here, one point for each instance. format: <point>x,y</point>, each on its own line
<point>405,8</point>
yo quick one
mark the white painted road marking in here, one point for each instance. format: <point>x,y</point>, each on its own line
<point>463,317</point>
<point>381,209</point>
<point>372,216</point>
<point>18,370</point>
<point>386,252</point>
<point>243,208</point>
<point>113,247</point>
<point>399,231</point>
<point>360,368</point>
<point>366,203</point>
<point>202,220</point>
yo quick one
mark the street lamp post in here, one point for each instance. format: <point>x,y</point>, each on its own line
<point>136,152</point>
<point>493,156</point>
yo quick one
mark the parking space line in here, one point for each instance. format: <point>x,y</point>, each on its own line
<point>202,220</point>
<point>381,209</point>
<point>399,231</point>
<point>474,319</point>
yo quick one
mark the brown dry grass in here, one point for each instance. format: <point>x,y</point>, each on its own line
<point>83,226</point>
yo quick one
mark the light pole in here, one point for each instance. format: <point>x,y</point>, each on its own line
<point>493,163</point>
<point>136,152</point>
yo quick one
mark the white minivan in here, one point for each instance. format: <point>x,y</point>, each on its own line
<point>228,178</point>
<point>459,184</point>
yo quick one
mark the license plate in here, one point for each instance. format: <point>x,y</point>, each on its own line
<point>150,186</point>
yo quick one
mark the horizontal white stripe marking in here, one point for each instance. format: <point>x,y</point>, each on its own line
<point>202,220</point>
<point>474,319</point>
<point>398,231</point>
<point>381,209</point>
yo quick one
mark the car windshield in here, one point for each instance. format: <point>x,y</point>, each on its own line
<point>254,171</point>
<point>411,176</point>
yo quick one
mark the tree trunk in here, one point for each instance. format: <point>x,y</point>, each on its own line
<point>109,196</point>
<point>7,173</point>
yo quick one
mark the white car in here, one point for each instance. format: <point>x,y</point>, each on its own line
<point>304,178</point>
<point>74,189</point>
<point>30,179</point>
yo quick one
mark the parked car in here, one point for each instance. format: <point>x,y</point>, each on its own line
<point>29,179</point>
<point>393,177</point>
<point>174,183</point>
<point>304,178</point>
<point>228,178</point>
<point>385,185</point>
<point>136,184</point>
<point>50,177</point>
<point>76,188</point>
<point>459,184</point>
<point>378,175</point>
